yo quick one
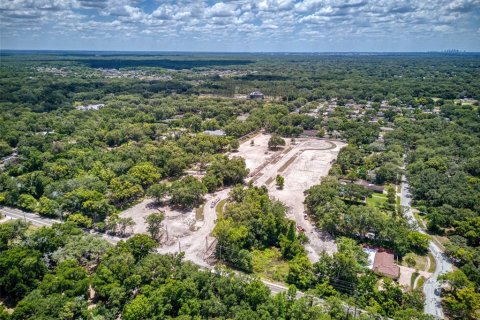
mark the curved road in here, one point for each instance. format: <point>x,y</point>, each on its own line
<point>431,287</point>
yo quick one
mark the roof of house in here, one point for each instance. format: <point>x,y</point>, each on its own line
<point>218,133</point>
<point>365,184</point>
<point>90,107</point>
<point>384,264</point>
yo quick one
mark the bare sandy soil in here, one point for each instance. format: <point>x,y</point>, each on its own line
<point>4,219</point>
<point>256,154</point>
<point>195,244</point>
<point>406,275</point>
<point>178,224</point>
<point>302,165</point>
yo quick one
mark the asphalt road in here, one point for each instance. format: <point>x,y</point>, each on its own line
<point>35,219</point>
<point>39,221</point>
<point>431,287</point>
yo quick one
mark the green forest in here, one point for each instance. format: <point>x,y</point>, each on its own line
<point>150,125</point>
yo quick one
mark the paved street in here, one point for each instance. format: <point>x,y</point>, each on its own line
<point>35,219</point>
<point>431,288</point>
<point>40,221</point>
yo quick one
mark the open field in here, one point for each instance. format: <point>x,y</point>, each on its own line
<point>195,241</point>
<point>257,154</point>
<point>421,262</point>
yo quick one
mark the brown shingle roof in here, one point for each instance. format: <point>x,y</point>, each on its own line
<point>384,265</point>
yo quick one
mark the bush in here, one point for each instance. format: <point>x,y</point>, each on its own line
<point>80,220</point>
<point>28,202</point>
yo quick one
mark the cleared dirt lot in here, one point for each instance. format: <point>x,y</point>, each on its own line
<point>194,243</point>
<point>406,275</point>
<point>302,165</point>
<point>257,153</point>
<point>178,223</point>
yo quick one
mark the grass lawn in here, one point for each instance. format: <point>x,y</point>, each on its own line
<point>219,208</point>
<point>420,262</point>
<point>421,281</point>
<point>439,241</point>
<point>199,213</point>
<point>443,240</point>
<point>269,264</point>
<point>420,219</point>
<point>412,280</point>
<point>433,264</point>
<point>376,200</point>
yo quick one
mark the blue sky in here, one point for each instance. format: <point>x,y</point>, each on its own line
<point>241,25</point>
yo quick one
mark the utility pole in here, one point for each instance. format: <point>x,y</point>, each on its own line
<point>179,247</point>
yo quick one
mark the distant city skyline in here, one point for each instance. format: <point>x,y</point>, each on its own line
<point>241,25</point>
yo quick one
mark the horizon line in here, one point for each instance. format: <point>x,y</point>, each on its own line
<point>219,51</point>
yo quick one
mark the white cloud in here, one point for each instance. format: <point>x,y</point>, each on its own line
<point>275,5</point>
<point>252,20</point>
<point>221,9</point>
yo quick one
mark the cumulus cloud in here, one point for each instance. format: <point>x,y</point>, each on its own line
<point>251,20</point>
<point>221,9</point>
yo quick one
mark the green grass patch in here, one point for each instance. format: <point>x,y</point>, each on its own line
<point>420,262</point>
<point>376,200</point>
<point>199,213</point>
<point>420,220</point>
<point>269,264</point>
<point>412,280</point>
<point>433,264</point>
<point>219,208</point>
<point>421,281</point>
<point>398,206</point>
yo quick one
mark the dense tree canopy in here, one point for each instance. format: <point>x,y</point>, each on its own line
<point>148,137</point>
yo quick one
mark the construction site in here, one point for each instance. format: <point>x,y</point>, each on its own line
<point>302,162</point>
